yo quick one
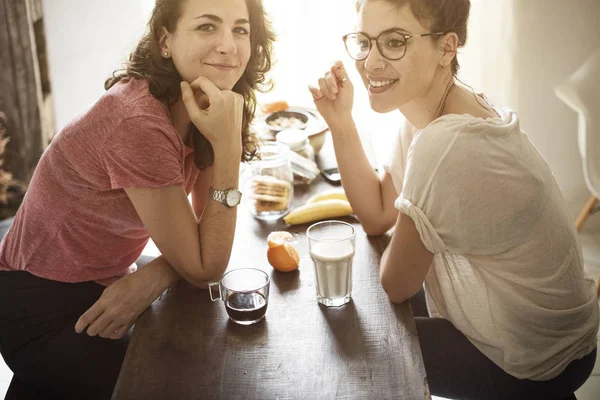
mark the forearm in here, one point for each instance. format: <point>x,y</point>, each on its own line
<point>158,275</point>
<point>217,227</point>
<point>394,279</point>
<point>405,262</point>
<point>360,181</point>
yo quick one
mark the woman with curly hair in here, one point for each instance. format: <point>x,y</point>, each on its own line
<point>174,121</point>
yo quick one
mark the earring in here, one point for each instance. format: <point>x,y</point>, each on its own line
<point>166,54</point>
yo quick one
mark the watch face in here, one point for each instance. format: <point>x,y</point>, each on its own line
<point>233,197</point>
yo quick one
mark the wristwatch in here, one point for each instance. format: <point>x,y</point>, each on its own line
<point>230,197</point>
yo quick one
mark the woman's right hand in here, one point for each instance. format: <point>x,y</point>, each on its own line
<point>334,95</point>
<point>216,113</point>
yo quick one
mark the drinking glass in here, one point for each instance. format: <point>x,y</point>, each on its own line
<point>245,292</point>
<point>331,247</point>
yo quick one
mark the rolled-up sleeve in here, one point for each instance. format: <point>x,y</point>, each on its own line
<point>430,238</point>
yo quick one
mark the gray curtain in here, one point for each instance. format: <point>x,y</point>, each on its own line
<point>18,90</point>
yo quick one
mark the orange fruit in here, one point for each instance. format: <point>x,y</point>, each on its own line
<point>282,255</point>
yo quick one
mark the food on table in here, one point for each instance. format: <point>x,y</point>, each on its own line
<point>338,194</point>
<point>286,122</point>
<point>325,209</point>
<point>275,106</point>
<point>269,193</point>
<point>282,255</point>
<point>305,171</point>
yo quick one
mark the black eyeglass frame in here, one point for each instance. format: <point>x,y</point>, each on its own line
<point>376,39</point>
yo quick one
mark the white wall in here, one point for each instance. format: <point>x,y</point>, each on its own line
<point>553,38</point>
<point>87,41</point>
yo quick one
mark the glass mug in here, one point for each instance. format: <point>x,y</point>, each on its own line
<point>331,246</point>
<point>245,292</point>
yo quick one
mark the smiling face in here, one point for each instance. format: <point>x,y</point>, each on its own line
<point>393,84</point>
<point>211,39</point>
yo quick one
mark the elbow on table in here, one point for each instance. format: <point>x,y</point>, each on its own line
<point>201,274</point>
<point>374,229</point>
<point>374,222</point>
<point>393,292</point>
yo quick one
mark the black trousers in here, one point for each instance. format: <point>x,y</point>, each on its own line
<point>39,344</point>
<point>456,369</point>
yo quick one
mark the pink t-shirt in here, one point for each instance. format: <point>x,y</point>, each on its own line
<point>76,222</point>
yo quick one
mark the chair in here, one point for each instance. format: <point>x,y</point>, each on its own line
<point>581,92</point>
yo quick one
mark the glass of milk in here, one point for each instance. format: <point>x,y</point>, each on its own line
<point>331,247</point>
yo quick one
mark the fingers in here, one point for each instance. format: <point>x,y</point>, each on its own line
<point>316,93</point>
<point>100,324</point>
<point>119,332</point>
<point>89,317</point>
<point>240,99</point>
<point>328,86</point>
<point>188,97</point>
<point>206,85</point>
<point>202,100</point>
<point>110,329</point>
<point>339,71</point>
<point>189,101</point>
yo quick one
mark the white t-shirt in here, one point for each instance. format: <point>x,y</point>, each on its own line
<point>508,267</point>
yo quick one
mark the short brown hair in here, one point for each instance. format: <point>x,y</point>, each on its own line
<point>145,62</point>
<point>438,16</point>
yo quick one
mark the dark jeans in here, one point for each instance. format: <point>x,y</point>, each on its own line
<point>456,369</point>
<point>39,343</point>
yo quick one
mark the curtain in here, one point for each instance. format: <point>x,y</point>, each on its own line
<point>18,91</point>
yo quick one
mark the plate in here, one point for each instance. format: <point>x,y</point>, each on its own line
<point>316,124</point>
<point>281,120</point>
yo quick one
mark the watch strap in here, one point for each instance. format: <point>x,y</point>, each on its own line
<point>221,195</point>
<point>218,195</point>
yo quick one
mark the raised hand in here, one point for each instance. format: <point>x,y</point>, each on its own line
<point>216,113</point>
<point>334,95</point>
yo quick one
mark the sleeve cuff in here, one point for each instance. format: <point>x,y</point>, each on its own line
<point>431,240</point>
<point>137,182</point>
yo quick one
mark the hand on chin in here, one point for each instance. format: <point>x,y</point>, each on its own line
<point>220,81</point>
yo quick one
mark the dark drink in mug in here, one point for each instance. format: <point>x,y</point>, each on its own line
<point>246,308</point>
<point>245,292</point>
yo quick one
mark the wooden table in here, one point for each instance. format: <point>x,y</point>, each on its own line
<point>185,347</point>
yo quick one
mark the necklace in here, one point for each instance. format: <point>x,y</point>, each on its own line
<point>445,98</point>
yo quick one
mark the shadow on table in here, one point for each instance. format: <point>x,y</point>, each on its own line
<point>285,281</point>
<point>346,328</point>
<point>254,334</point>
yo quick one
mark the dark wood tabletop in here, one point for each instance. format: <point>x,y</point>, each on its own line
<point>185,347</point>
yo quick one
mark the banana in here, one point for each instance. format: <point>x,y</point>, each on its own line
<point>338,194</point>
<point>325,209</point>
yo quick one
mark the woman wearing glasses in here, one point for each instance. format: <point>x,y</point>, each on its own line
<point>477,216</point>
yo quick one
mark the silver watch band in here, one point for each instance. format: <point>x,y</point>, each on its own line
<point>230,197</point>
<point>217,195</point>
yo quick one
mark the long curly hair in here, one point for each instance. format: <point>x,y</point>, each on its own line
<point>146,63</point>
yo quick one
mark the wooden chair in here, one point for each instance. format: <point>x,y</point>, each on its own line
<point>581,92</point>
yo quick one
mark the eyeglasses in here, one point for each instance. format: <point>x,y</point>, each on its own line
<point>391,44</point>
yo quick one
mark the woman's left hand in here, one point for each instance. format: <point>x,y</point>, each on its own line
<point>118,307</point>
